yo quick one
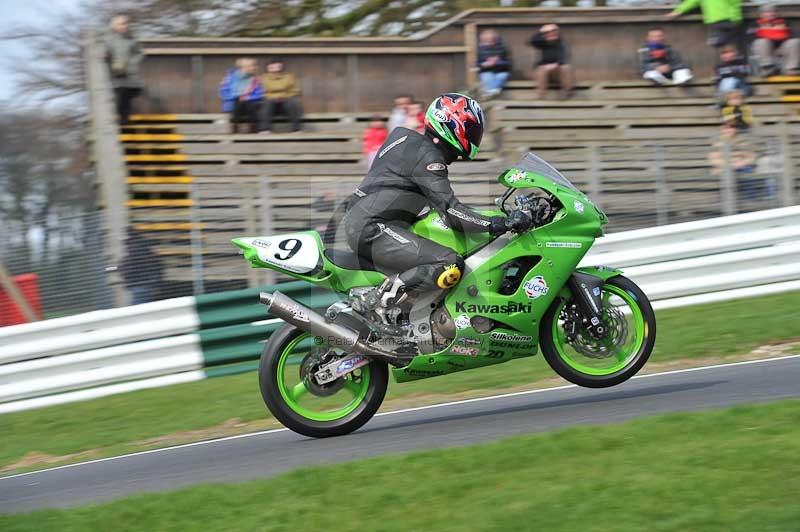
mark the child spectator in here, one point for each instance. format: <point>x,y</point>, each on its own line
<point>735,150</point>
<point>732,71</point>
<point>280,95</point>
<point>774,38</point>
<point>373,138</point>
<point>493,63</point>
<point>737,112</point>
<point>241,92</point>
<point>123,55</point>
<point>399,112</point>
<point>660,63</point>
<point>553,62</point>
<point>415,119</point>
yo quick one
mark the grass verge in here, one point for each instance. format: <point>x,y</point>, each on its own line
<point>195,411</point>
<point>725,470</point>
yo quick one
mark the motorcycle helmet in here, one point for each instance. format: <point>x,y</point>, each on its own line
<point>458,121</point>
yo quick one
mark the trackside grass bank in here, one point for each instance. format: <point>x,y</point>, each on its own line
<point>727,470</point>
<point>201,410</point>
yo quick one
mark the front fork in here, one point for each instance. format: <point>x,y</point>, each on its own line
<point>586,290</point>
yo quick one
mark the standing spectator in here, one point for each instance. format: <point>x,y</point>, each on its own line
<point>735,151</point>
<point>241,92</point>
<point>554,61</point>
<point>494,63</point>
<point>723,18</point>
<point>399,112</point>
<point>373,138</point>
<point>123,56</point>
<point>281,94</point>
<point>660,63</point>
<point>732,71</point>
<point>774,38</point>
<point>415,119</point>
<point>142,269</point>
<point>736,111</point>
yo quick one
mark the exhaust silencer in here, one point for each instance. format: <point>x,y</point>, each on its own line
<point>329,334</point>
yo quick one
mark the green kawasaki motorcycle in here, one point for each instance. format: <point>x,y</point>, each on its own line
<point>326,373</point>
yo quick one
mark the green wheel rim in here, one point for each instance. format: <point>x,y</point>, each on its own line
<point>617,361</point>
<point>313,407</point>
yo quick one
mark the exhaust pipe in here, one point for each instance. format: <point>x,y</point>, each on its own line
<point>330,334</point>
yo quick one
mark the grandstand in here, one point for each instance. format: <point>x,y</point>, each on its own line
<point>641,152</point>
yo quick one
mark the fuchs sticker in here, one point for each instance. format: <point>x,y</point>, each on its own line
<point>462,322</point>
<point>440,115</point>
<point>435,167</point>
<point>438,222</point>
<point>571,245</point>
<point>505,337</point>
<point>515,176</point>
<point>579,206</point>
<point>536,287</point>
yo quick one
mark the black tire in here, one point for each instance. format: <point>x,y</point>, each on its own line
<point>596,381</point>
<point>267,380</point>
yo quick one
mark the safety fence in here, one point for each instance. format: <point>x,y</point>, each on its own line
<point>193,338</point>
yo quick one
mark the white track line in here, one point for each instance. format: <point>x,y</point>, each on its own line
<point>394,412</point>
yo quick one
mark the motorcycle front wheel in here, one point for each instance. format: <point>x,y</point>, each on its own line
<point>584,360</point>
<point>288,362</point>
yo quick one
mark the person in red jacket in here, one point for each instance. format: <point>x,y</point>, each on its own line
<point>373,138</point>
<point>773,38</point>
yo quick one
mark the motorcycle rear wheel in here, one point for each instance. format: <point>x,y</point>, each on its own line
<point>585,361</point>
<point>316,411</point>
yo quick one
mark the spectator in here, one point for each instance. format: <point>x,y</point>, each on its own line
<point>493,63</point>
<point>241,92</point>
<point>373,138</point>
<point>415,119</point>
<point>280,95</point>
<point>723,18</point>
<point>774,38</point>
<point>732,71</point>
<point>399,112</point>
<point>736,111</point>
<point>554,61</point>
<point>123,56</point>
<point>736,152</point>
<point>660,63</point>
<point>142,269</point>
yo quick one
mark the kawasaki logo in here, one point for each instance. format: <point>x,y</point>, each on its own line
<point>505,337</point>
<point>508,308</point>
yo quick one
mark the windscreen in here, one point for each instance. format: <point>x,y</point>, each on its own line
<point>537,165</point>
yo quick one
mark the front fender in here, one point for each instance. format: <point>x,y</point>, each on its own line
<point>603,272</point>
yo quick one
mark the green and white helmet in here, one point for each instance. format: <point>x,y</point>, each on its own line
<point>457,120</point>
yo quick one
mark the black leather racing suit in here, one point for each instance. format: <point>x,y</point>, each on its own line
<point>408,174</point>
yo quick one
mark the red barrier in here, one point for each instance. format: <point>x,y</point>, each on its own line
<point>10,314</point>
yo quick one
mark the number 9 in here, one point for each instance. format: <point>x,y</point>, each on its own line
<point>291,246</point>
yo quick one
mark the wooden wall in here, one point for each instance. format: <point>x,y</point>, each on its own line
<point>363,74</point>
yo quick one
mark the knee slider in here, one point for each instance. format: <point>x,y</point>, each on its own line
<point>450,272</point>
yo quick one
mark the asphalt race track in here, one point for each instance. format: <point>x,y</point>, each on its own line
<point>268,453</point>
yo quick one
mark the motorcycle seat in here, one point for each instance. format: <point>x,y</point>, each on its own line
<point>349,260</point>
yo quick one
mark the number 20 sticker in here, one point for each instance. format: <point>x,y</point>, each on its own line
<point>296,253</point>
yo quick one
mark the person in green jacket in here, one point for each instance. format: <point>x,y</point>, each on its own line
<point>723,18</point>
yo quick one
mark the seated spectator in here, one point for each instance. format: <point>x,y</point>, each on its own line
<point>399,112</point>
<point>660,63</point>
<point>494,63</point>
<point>736,111</point>
<point>554,61</point>
<point>241,92</point>
<point>373,138</point>
<point>123,55</point>
<point>415,119</point>
<point>732,71</point>
<point>773,40</point>
<point>280,95</point>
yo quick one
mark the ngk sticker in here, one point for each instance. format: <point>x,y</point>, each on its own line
<point>536,287</point>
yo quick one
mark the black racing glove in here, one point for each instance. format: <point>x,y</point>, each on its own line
<point>518,221</point>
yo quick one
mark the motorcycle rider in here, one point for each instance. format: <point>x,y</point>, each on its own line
<point>408,174</point>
